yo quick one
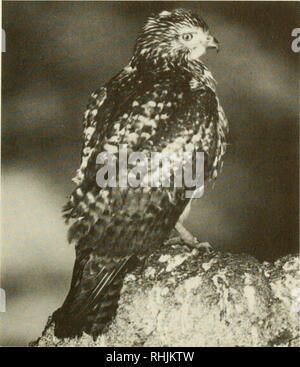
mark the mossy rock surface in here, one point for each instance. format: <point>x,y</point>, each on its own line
<point>186,298</point>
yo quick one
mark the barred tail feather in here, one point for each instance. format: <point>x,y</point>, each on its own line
<point>92,302</point>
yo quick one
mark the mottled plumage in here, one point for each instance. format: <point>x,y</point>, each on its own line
<point>163,101</point>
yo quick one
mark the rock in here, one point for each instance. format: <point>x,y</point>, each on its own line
<point>186,298</point>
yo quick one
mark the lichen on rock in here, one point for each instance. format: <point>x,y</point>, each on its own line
<point>186,298</point>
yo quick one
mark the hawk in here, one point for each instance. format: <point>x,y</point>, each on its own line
<point>164,100</point>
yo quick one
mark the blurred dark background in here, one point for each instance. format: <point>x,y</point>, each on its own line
<point>57,53</point>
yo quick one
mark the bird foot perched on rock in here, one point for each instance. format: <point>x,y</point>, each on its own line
<point>188,239</point>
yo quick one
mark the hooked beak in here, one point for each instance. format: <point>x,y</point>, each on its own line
<point>212,42</point>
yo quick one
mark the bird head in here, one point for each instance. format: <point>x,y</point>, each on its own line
<point>174,36</point>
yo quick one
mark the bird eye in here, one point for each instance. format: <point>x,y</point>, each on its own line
<point>187,36</point>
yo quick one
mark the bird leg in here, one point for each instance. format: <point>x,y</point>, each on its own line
<point>190,240</point>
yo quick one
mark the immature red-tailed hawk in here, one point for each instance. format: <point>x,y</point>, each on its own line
<point>163,101</point>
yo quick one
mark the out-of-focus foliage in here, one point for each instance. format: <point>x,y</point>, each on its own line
<point>59,52</point>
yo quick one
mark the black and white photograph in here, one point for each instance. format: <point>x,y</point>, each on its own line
<point>150,176</point>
